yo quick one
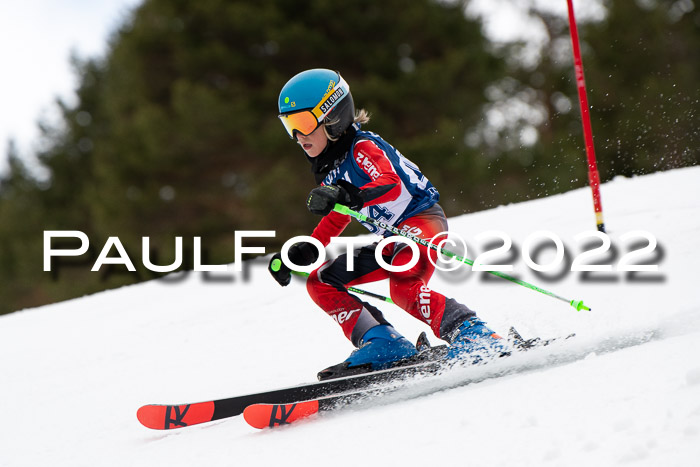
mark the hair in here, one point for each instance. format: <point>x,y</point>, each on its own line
<point>361,117</point>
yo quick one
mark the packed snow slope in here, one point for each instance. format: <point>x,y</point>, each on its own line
<point>624,391</point>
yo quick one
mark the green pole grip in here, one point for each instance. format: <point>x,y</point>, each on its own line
<point>276,265</point>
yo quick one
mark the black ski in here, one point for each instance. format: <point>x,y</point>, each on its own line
<point>166,417</point>
<point>429,361</point>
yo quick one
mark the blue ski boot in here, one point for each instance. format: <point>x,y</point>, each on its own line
<point>381,347</point>
<point>474,343</point>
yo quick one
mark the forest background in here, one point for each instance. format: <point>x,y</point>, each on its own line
<point>175,129</point>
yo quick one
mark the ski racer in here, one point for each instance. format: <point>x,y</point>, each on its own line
<point>359,169</point>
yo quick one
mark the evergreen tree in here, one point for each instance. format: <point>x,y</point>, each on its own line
<point>175,131</point>
<point>644,64</point>
<point>641,78</point>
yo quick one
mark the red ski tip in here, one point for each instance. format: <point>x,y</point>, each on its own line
<point>272,415</point>
<point>167,417</point>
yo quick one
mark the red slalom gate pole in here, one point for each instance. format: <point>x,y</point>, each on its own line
<point>593,176</point>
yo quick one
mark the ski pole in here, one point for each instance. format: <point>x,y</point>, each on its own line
<point>276,264</point>
<point>578,304</point>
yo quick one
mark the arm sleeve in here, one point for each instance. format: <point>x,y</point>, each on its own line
<point>331,225</point>
<point>373,161</point>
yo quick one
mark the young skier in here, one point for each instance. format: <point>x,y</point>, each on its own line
<point>361,170</point>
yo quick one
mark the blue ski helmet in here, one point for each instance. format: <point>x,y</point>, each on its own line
<point>314,97</point>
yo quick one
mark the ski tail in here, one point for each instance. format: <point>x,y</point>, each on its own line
<point>272,415</point>
<point>167,417</point>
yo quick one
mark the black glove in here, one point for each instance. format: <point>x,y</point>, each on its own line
<point>322,199</point>
<point>302,254</point>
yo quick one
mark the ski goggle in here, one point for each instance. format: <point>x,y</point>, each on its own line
<point>306,121</point>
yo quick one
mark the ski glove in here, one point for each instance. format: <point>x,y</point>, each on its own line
<point>302,254</point>
<point>322,199</point>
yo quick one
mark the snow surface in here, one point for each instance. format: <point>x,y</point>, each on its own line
<point>624,391</point>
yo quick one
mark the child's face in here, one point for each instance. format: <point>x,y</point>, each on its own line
<point>314,143</point>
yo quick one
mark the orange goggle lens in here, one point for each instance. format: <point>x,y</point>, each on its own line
<point>304,122</point>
